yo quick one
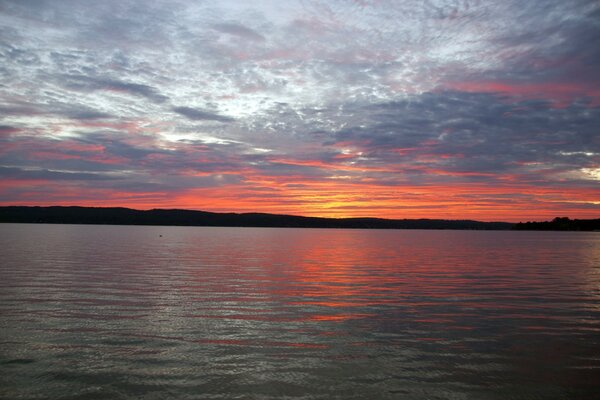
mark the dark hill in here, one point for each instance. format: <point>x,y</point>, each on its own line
<point>127,216</point>
<point>560,224</point>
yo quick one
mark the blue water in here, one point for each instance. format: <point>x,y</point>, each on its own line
<point>128,312</point>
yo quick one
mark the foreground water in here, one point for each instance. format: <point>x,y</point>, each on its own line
<point>125,312</point>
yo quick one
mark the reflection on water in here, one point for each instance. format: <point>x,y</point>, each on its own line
<point>174,312</point>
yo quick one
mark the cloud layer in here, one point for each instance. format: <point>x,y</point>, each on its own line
<point>445,109</point>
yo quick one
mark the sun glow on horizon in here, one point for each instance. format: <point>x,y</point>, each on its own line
<point>334,109</point>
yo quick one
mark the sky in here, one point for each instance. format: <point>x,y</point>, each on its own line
<point>485,110</point>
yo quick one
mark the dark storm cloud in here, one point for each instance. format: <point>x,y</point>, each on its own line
<point>196,114</point>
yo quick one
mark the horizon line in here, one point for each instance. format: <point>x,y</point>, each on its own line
<point>287,215</point>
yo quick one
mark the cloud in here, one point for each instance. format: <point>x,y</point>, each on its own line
<point>7,130</point>
<point>196,114</point>
<point>546,50</point>
<point>85,114</point>
<point>53,108</point>
<point>471,132</point>
<point>239,30</point>
<point>49,175</point>
<point>88,83</point>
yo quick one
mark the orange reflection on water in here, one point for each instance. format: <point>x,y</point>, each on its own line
<point>319,283</point>
<point>331,280</point>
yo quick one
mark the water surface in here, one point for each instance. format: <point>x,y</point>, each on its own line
<point>127,312</point>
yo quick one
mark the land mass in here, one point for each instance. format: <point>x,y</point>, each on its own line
<point>127,216</point>
<point>560,224</point>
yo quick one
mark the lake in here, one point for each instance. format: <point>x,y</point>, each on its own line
<point>128,312</point>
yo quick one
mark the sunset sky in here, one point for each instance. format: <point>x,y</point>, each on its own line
<point>485,110</point>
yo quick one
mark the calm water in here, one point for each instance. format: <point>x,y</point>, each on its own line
<point>121,312</point>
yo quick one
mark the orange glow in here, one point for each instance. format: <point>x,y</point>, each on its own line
<point>336,189</point>
<point>509,201</point>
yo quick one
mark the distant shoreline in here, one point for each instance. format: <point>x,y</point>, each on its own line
<point>175,217</point>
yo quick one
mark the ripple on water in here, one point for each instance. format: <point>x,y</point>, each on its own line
<point>118,312</point>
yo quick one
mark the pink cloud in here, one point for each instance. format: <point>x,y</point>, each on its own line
<point>561,94</point>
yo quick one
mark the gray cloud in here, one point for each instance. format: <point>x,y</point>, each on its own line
<point>49,108</point>
<point>45,174</point>
<point>239,31</point>
<point>85,114</point>
<point>196,114</point>
<point>476,132</point>
<point>8,130</point>
<point>87,83</point>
